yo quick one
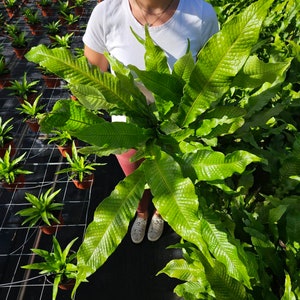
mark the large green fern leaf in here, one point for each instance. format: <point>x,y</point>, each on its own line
<point>174,197</point>
<point>110,224</point>
<point>88,127</point>
<point>211,165</point>
<point>220,60</point>
<point>127,99</point>
<point>221,248</point>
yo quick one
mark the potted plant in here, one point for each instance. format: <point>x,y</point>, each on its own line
<point>79,7</point>
<point>11,7</point>
<point>33,20</point>
<point>44,210</point>
<point>53,28</point>
<point>30,111</point>
<point>19,42</point>
<point>12,29</point>
<point>71,21</point>
<point>45,7</point>
<point>4,72</point>
<point>63,8</point>
<point>62,41</point>
<point>80,169</point>
<point>59,266</point>
<point>63,140</point>
<point>6,136</point>
<point>11,170</point>
<point>24,89</point>
<point>219,146</point>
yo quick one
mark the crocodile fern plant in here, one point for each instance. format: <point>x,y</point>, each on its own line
<point>212,148</point>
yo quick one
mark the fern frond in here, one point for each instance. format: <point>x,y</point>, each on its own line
<point>219,61</point>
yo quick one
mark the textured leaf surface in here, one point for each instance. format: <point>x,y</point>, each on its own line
<point>174,197</point>
<point>255,72</point>
<point>220,60</point>
<point>110,223</point>
<point>88,127</point>
<point>210,165</point>
<point>125,98</point>
<point>224,251</point>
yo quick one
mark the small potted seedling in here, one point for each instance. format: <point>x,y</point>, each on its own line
<point>19,43</point>
<point>12,29</point>
<point>81,169</point>
<point>33,20</point>
<point>6,137</point>
<point>24,89</point>
<point>79,7</point>
<point>63,141</point>
<point>58,266</point>
<point>53,28</point>
<point>71,21</point>
<point>45,7</point>
<point>31,111</point>
<point>12,171</point>
<point>64,7</point>
<point>43,210</point>
<point>63,41</point>
<point>11,7</point>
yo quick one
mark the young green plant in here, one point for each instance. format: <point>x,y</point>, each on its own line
<point>11,168</point>
<point>218,146</point>
<point>60,264</point>
<point>22,89</point>
<point>31,110</point>
<point>5,131</point>
<point>79,165</point>
<point>42,208</point>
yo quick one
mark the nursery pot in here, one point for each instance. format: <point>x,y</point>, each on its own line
<point>30,98</point>
<point>51,81</point>
<point>66,149</point>
<point>50,230</point>
<point>35,29</point>
<point>4,80</point>
<point>47,11</point>
<point>19,183</point>
<point>78,10</point>
<point>11,11</point>
<point>20,52</point>
<point>67,284</point>
<point>86,183</point>
<point>33,124</point>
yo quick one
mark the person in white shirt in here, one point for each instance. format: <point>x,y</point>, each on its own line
<point>172,25</point>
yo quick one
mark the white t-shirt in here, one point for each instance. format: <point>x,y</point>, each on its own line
<point>108,30</point>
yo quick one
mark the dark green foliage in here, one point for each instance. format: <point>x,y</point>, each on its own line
<point>220,147</point>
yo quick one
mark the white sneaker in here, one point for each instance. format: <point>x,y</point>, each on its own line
<point>156,228</point>
<point>138,230</point>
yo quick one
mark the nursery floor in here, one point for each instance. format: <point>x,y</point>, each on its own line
<point>130,273</point>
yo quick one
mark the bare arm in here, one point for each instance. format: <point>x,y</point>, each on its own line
<point>95,58</point>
